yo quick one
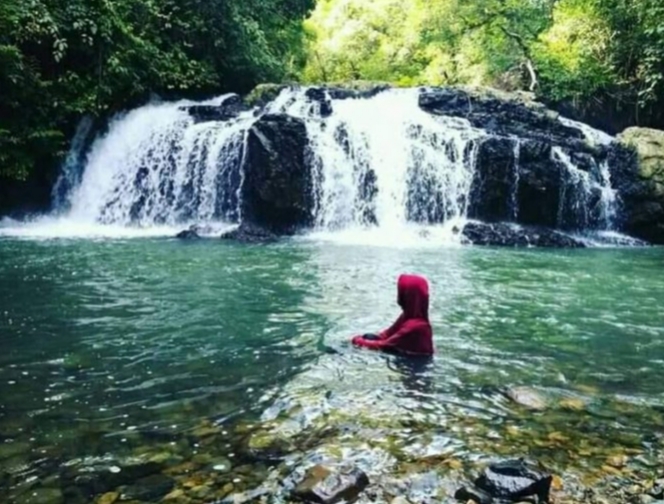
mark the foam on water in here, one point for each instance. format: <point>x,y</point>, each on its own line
<point>65,227</point>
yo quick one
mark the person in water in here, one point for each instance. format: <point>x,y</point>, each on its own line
<point>411,334</point>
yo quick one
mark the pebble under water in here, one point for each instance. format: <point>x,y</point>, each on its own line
<point>140,370</point>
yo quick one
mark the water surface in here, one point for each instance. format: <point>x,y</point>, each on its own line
<point>104,339</point>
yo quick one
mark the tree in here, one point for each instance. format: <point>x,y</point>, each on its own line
<point>60,59</point>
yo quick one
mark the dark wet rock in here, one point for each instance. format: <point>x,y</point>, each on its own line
<point>514,480</point>
<point>367,194</point>
<point>147,489</point>
<point>471,493</point>
<point>520,180</point>
<point>513,235</point>
<point>320,98</point>
<point>501,113</point>
<point>528,397</point>
<point>325,486</point>
<point>228,109</point>
<point>277,193</point>
<point>188,234</point>
<point>249,233</point>
<point>357,90</point>
<point>637,171</point>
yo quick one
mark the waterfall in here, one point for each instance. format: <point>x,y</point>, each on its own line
<point>378,161</point>
<point>157,166</point>
<point>72,168</point>
<point>383,160</point>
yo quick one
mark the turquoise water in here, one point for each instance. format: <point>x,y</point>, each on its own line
<point>122,346</point>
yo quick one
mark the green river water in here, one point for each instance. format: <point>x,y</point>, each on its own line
<point>185,352</point>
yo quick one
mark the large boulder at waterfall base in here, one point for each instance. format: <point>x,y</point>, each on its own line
<point>504,234</point>
<point>639,177</point>
<point>188,234</point>
<point>278,188</point>
<point>249,233</point>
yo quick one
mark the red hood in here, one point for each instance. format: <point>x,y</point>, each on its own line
<point>413,297</point>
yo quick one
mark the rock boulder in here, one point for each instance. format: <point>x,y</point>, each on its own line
<point>638,175</point>
<point>277,193</point>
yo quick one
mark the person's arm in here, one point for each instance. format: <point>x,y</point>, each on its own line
<point>393,329</point>
<point>391,341</point>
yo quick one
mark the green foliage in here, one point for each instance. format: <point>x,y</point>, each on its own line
<point>60,59</point>
<point>561,49</point>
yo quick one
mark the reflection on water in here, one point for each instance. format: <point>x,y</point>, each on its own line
<point>109,347</point>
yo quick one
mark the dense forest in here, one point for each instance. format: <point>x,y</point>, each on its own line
<point>582,51</point>
<point>60,60</point>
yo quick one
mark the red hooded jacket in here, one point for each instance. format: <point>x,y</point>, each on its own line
<point>411,333</point>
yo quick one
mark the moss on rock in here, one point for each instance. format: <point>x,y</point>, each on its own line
<point>649,144</point>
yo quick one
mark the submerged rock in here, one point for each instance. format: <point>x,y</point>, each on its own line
<point>98,476</point>
<point>151,488</point>
<point>512,235</point>
<point>41,496</point>
<point>325,486</point>
<point>249,233</point>
<point>514,480</point>
<point>527,397</point>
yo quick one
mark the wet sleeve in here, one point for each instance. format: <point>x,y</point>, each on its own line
<point>392,341</point>
<point>393,329</point>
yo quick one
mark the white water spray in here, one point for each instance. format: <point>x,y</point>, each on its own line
<point>384,160</point>
<point>385,170</point>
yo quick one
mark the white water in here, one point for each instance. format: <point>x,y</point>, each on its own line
<point>156,167</point>
<point>379,160</point>
<point>423,165</point>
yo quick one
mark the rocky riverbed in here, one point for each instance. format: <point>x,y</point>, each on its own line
<point>310,451</point>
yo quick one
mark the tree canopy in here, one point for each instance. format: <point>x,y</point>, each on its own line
<point>60,59</point>
<point>558,48</point>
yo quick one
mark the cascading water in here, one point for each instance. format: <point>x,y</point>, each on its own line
<point>157,166</point>
<point>379,162</point>
<point>383,160</point>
